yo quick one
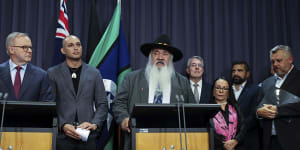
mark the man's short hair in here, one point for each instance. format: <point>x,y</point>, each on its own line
<point>241,63</point>
<point>284,48</point>
<point>195,57</point>
<point>10,39</point>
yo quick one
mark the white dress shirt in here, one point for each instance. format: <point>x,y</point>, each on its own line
<point>236,92</point>
<point>13,71</point>
<point>199,87</point>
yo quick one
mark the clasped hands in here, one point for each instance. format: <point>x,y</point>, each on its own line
<point>70,130</point>
<point>230,144</point>
<point>267,111</point>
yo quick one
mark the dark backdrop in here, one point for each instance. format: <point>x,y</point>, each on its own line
<point>220,31</point>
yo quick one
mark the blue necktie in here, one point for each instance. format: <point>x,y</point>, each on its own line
<point>158,96</point>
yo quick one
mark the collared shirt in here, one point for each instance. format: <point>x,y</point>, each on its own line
<point>166,94</point>
<point>236,92</point>
<point>278,84</point>
<point>13,71</point>
<point>199,87</point>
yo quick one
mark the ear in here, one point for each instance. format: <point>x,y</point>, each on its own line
<point>10,50</point>
<point>62,51</point>
<point>248,74</point>
<point>291,59</point>
<point>187,70</point>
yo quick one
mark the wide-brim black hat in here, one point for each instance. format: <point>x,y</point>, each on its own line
<point>162,42</point>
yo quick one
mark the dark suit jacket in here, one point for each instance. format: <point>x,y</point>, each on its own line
<point>35,85</point>
<point>287,122</point>
<point>90,92</point>
<point>206,92</point>
<point>247,102</point>
<point>134,89</point>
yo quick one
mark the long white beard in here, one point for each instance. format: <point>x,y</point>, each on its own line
<point>159,76</point>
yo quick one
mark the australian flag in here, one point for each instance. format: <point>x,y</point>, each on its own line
<point>62,31</point>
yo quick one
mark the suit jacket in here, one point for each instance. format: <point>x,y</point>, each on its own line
<point>35,85</point>
<point>90,92</point>
<point>247,102</point>
<point>206,93</point>
<point>134,89</point>
<point>287,122</point>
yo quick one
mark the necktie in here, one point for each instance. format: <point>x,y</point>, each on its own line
<point>158,96</point>
<point>196,93</point>
<point>17,83</point>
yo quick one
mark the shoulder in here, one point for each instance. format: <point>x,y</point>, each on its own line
<point>4,65</point>
<point>35,69</point>
<point>180,76</point>
<point>135,73</point>
<point>54,68</point>
<point>90,69</point>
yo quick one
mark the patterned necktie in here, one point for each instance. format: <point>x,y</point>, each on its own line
<point>17,83</point>
<point>158,96</point>
<point>196,93</point>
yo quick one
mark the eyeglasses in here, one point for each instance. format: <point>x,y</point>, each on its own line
<point>25,48</point>
<point>222,88</point>
<point>197,65</point>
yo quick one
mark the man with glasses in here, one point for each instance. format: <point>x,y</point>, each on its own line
<point>20,79</point>
<point>202,90</point>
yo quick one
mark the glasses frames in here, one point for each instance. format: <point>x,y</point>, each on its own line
<point>25,48</point>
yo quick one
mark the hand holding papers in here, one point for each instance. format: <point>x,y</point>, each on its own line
<point>84,134</point>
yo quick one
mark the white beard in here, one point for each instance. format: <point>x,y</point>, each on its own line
<point>159,76</point>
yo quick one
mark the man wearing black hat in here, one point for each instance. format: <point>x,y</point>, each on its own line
<point>157,84</point>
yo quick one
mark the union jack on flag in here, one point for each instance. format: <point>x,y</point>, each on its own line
<point>62,31</point>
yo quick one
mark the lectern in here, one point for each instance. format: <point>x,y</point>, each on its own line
<point>29,125</point>
<point>156,126</point>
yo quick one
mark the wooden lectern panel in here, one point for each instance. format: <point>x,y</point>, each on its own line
<point>157,141</point>
<point>27,140</point>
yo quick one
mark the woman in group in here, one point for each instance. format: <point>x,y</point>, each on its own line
<point>228,125</point>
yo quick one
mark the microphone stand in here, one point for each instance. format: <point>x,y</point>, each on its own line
<point>184,122</point>
<point>179,120</point>
<point>3,110</point>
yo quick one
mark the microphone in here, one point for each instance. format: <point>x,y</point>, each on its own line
<point>184,123</point>
<point>179,120</point>
<point>3,110</point>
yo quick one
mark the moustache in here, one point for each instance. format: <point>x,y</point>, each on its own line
<point>160,62</point>
<point>236,77</point>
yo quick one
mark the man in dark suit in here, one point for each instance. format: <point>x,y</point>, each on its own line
<point>246,96</point>
<point>201,90</point>
<point>20,79</point>
<point>78,88</point>
<point>281,122</point>
<point>157,84</point>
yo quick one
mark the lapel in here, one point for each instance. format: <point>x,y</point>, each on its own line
<point>67,79</point>
<point>174,90</point>
<point>82,80</point>
<point>6,78</point>
<point>242,97</point>
<point>27,80</point>
<point>289,79</point>
<point>143,88</point>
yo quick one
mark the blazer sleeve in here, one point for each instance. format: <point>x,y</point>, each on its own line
<point>120,103</point>
<point>46,90</point>
<point>101,103</point>
<point>241,126</point>
<point>291,109</point>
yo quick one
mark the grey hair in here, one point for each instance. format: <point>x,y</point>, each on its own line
<point>284,48</point>
<point>196,57</point>
<point>10,39</point>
